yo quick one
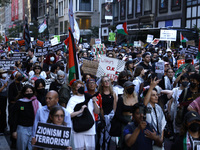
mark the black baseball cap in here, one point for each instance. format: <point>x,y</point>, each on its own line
<point>192,116</point>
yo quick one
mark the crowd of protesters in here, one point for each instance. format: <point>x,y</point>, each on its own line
<point>150,107</point>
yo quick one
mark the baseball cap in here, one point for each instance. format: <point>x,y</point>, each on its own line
<point>169,50</point>
<point>192,116</point>
<point>188,57</point>
<point>128,83</point>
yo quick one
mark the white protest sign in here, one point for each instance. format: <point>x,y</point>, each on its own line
<point>149,38</point>
<point>160,67</point>
<point>52,136</point>
<point>54,41</point>
<point>168,35</point>
<point>110,67</point>
<point>136,44</point>
<point>97,41</point>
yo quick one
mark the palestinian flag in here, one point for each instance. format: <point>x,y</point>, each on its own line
<point>7,42</point>
<point>74,69</point>
<point>182,38</point>
<point>122,28</point>
<point>198,54</point>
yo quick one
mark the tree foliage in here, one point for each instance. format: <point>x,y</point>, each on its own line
<point>4,2</point>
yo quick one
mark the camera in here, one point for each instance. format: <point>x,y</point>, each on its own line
<point>144,110</point>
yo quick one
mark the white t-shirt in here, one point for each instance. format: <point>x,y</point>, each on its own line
<point>70,108</point>
<point>176,94</point>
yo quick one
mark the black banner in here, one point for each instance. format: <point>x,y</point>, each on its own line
<point>52,136</point>
<point>18,56</point>
<point>7,64</point>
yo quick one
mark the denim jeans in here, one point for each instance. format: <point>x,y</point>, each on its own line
<point>24,137</point>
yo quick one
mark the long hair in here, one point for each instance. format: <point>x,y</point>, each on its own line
<point>22,92</point>
<point>138,71</point>
<point>101,86</point>
<point>53,111</point>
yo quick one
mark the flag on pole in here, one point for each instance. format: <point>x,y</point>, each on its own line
<point>74,69</point>
<point>76,32</point>
<point>122,28</point>
<point>71,16</point>
<point>182,38</point>
<point>7,42</point>
<point>26,35</point>
<point>43,26</point>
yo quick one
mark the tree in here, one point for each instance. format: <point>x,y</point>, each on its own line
<point>4,2</point>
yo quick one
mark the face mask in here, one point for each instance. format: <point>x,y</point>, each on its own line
<point>130,90</point>
<point>184,84</point>
<point>81,90</point>
<point>193,85</point>
<point>28,95</point>
<point>52,58</point>
<point>19,78</point>
<point>41,91</point>
<point>60,80</point>
<point>194,127</point>
<point>4,75</point>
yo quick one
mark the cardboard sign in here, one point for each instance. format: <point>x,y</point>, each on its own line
<point>160,67</point>
<point>149,38</point>
<point>7,64</point>
<point>52,136</point>
<point>90,67</point>
<point>18,56</point>
<point>110,67</point>
<point>41,52</point>
<point>168,35</point>
<point>192,43</point>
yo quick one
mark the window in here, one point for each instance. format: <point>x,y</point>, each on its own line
<point>147,7</point>
<point>138,6</point>
<point>61,27</point>
<point>163,6</point>
<point>122,10</point>
<point>84,23</point>
<point>103,13</point>
<point>130,7</point>
<point>66,27</point>
<point>116,9</point>
<point>191,2</point>
<point>60,9</point>
<point>84,5</point>
<point>175,5</point>
<point>66,3</point>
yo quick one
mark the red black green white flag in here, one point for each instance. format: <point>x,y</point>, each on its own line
<point>182,38</point>
<point>74,69</point>
<point>7,42</point>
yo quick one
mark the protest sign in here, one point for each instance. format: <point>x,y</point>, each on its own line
<point>56,48</point>
<point>182,61</point>
<point>111,37</point>
<point>168,35</point>
<point>149,38</point>
<point>97,41</point>
<point>47,43</point>
<point>18,56</point>
<point>110,67</point>
<point>52,136</point>
<point>54,41</point>
<point>7,64</point>
<point>191,50</point>
<point>90,67</point>
<point>192,43</point>
<point>155,41</point>
<point>160,67</point>
<point>41,52</point>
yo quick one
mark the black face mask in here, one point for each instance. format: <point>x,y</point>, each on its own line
<point>130,90</point>
<point>81,90</point>
<point>185,83</point>
<point>19,78</point>
<point>193,85</point>
<point>28,95</point>
<point>194,127</point>
<point>41,91</point>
